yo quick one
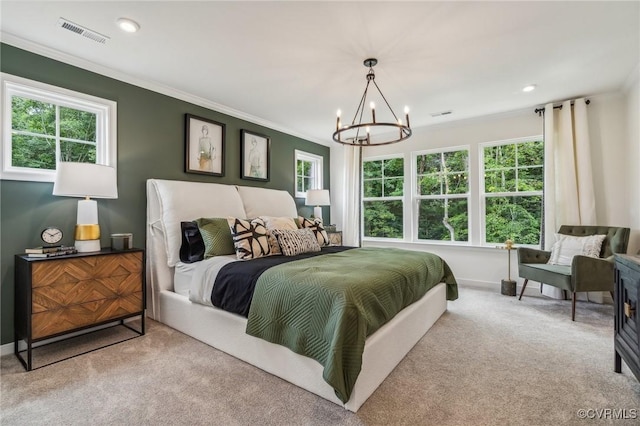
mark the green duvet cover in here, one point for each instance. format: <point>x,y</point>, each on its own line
<point>325,307</point>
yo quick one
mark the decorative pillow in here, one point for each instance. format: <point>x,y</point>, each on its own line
<point>192,248</point>
<point>296,242</point>
<point>273,222</point>
<point>250,238</point>
<point>216,236</point>
<point>567,246</point>
<point>316,226</point>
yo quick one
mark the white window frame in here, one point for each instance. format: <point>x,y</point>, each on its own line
<point>484,195</point>
<point>317,167</point>
<point>106,126</point>
<point>416,197</point>
<point>397,198</point>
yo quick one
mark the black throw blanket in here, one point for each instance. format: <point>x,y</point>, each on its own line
<point>234,285</point>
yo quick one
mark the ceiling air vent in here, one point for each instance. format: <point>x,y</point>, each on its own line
<point>440,114</point>
<point>84,32</point>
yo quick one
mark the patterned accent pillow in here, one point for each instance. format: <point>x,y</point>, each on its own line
<point>296,242</point>
<point>216,236</point>
<point>250,238</point>
<point>273,222</point>
<point>567,246</point>
<point>316,226</point>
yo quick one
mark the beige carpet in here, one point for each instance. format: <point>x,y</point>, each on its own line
<point>491,359</point>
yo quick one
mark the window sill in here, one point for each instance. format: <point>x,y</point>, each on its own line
<point>446,245</point>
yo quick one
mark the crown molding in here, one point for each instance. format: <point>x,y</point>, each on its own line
<point>57,55</point>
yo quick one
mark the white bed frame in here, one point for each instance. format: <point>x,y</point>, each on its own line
<point>170,202</point>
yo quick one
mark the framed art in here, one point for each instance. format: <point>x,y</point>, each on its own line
<point>204,146</point>
<point>256,152</point>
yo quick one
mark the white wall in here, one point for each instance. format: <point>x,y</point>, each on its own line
<point>484,266</point>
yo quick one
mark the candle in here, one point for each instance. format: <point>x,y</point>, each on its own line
<point>406,115</point>
<point>368,136</point>
<point>338,120</point>
<point>373,111</point>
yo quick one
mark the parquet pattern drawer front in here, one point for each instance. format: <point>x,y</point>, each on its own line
<point>85,268</point>
<point>55,296</point>
<point>52,322</point>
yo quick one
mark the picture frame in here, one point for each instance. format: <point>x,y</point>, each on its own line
<point>256,156</point>
<point>204,146</point>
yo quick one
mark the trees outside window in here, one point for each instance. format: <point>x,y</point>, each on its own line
<point>512,189</point>
<point>383,191</point>
<point>49,124</point>
<point>308,172</point>
<point>442,195</point>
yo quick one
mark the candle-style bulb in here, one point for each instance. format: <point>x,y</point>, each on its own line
<point>339,113</point>
<point>373,111</point>
<point>372,105</point>
<point>406,109</point>
<point>406,115</point>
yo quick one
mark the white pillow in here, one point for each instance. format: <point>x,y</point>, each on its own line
<point>567,246</point>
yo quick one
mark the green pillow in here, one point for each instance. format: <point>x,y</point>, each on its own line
<point>216,236</point>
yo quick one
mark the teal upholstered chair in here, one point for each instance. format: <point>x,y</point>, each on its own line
<point>585,273</point>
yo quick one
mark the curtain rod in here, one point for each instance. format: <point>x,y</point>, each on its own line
<point>540,111</point>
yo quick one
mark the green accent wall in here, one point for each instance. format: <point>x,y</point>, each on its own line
<point>150,145</point>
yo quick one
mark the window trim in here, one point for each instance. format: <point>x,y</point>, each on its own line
<point>106,126</point>
<point>415,197</point>
<point>402,198</point>
<point>481,185</point>
<point>318,165</point>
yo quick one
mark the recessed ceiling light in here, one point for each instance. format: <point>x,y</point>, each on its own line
<point>529,88</point>
<point>128,25</point>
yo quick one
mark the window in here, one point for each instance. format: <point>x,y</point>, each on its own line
<point>44,124</point>
<point>308,173</point>
<point>442,195</point>
<point>383,190</point>
<point>512,191</point>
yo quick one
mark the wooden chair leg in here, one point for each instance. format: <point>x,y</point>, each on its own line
<point>524,285</point>
<point>611,293</point>
<point>564,294</point>
<point>573,307</point>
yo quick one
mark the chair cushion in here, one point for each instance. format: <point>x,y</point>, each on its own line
<point>567,246</point>
<point>555,275</point>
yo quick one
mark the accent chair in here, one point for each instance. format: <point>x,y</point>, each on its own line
<point>585,273</point>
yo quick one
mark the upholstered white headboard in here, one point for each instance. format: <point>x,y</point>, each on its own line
<point>170,202</point>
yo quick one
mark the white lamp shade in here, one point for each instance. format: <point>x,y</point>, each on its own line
<point>318,197</point>
<point>85,180</point>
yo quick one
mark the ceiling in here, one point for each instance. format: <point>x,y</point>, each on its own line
<point>291,65</point>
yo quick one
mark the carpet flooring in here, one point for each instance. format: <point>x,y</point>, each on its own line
<point>489,360</point>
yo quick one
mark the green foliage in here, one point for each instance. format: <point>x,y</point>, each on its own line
<point>34,134</point>
<point>304,175</point>
<point>383,178</point>
<point>511,168</point>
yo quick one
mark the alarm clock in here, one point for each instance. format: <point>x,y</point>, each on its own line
<point>51,235</point>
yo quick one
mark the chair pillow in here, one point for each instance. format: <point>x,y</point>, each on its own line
<point>296,242</point>
<point>316,226</point>
<point>216,236</point>
<point>568,246</point>
<point>250,238</point>
<point>192,248</point>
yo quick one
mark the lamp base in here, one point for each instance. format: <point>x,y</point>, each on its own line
<point>317,212</point>
<point>508,288</point>
<point>86,246</point>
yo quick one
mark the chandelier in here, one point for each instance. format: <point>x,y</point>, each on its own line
<point>360,133</point>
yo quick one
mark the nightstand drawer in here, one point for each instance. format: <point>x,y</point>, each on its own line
<point>84,268</point>
<point>61,295</point>
<point>52,322</point>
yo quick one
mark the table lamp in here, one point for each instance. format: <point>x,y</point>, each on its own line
<point>317,198</point>
<point>88,181</point>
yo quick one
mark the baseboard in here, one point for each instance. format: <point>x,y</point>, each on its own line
<point>533,289</point>
<point>6,349</point>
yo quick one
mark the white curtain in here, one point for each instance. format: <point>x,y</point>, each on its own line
<point>351,197</point>
<point>568,187</point>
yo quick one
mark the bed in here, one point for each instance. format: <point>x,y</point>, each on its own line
<point>171,202</point>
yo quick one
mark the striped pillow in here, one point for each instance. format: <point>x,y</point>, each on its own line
<point>296,242</point>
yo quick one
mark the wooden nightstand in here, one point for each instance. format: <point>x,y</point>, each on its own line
<point>335,238</point>
<point>60,295</point>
